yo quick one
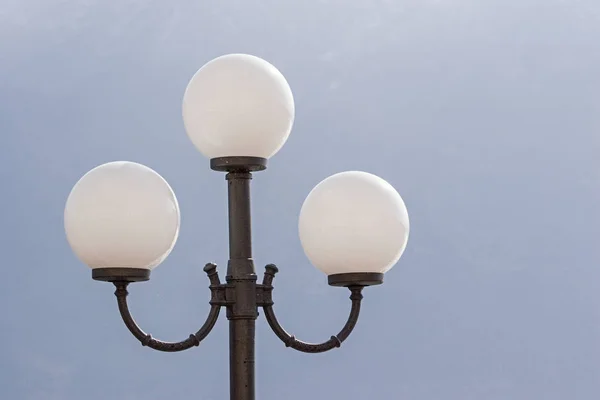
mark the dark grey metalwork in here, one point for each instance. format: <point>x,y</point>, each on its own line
<point>290,340</point>
<point>356,278</point>
<point>121,274</point>
<point>147,339</point>
<point>241,164</point>
<point>241,295</point>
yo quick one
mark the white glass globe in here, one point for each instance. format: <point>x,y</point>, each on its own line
<point>122,215</point>
<point>353,222</point>
<point>238,105</point>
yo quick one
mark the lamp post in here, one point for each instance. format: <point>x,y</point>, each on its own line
<point>122,218</point>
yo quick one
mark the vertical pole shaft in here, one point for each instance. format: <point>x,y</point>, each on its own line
<point>241,275</point>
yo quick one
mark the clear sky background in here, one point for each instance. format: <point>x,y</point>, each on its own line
<point>485,115</point>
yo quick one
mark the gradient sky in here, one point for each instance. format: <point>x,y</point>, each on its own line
<point>485,115</point>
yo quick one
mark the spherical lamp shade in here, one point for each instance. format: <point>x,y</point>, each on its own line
<point>238,105</point>
<point>354,223</point>
<point>122,215</point>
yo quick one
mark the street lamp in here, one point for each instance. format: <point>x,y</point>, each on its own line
<point>122,218</point>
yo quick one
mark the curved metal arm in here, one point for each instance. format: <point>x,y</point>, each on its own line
<point>290,340</point>
<point>147,339</point>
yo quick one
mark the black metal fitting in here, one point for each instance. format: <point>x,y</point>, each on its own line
<point>232,164</point>
<point>355,279</point>
<point>290,340</point>
<point>147,340</point>
<point>121,274</point>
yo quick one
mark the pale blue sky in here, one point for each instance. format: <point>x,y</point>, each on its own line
<point>485,115</point>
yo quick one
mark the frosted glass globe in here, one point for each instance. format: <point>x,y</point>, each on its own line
<point>353,222</point>
<point>238,105</point>
<point>122,215</point>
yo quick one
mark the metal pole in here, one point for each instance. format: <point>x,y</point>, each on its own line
<point>241,276</point>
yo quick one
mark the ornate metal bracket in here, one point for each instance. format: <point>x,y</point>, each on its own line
<point>222,295</point>
<point>217,300</point>
<point>290,340</point>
